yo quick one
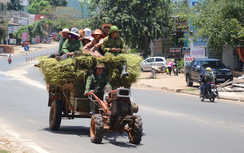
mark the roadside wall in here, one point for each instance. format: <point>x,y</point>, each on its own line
<point>7,48</point>
<point>229,59</point>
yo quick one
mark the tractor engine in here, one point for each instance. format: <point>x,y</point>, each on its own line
<point>120,103</point>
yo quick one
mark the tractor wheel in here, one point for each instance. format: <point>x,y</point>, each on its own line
<point>212,99</point>
<point>136,133</point>
<point>55,115</point>
<point>96,128</point>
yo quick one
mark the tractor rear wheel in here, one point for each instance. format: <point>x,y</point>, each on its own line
<point>96,128</point>
<point>136,133</point>
<point>55,115</point>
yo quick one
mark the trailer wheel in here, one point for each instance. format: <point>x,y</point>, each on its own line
<point>96,128</point>
<point>136,133</point>
<point>55,115</point>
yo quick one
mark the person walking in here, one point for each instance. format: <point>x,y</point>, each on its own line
<point>170,65</point>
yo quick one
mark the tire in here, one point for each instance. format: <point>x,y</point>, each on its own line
<point>96,128</point>
<point>189,83</point>
<point>55,115</point>
<point>136,133</point>
<point>202,99</point>
<point>142,69</point>
<point>211,99</point>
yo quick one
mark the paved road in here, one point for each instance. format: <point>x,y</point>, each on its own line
<point>173,123</point>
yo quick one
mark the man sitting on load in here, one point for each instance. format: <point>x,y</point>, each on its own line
<point>98,84</point>
<point>72,44</point>
<point>115,45</point>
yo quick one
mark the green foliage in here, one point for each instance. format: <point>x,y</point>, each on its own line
<point>15,5</point>
<point>239,29</point>
<point>54,3</point>
<point>38,5</point>
<point>139,20</point>
<point>35,29</point>
<point>65,71</point>
<point>3,28</point>
<point>180,64</point>
<point>213,22</point>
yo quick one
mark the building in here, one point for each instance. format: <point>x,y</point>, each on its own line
<point>3,7</point>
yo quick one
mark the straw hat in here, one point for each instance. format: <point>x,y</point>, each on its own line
<point>106,25</point>
<point>64,30</point>
<point>97,32</point>
<point>82,32</point>
<point>87,38</point>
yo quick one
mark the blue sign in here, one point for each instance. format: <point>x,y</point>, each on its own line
<point>26,48</point>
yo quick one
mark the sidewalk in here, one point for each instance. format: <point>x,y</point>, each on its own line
<point>178,84</point>
<point>20,50</point>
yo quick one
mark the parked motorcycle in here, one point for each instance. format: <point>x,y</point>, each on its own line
<point>9,60</point>
<point>209,93</point>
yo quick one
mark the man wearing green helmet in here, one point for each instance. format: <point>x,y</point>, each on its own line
<point>115,45</point>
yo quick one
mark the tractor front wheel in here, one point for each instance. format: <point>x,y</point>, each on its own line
<point>136,133</point>
<point>96,128</point>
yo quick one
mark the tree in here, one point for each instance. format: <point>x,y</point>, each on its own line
<point>15,5</point>
<point>139,20</point>
<point>3,28</point>
<point>38,5</point>
<point>212,20</point>
<point>54,3</point>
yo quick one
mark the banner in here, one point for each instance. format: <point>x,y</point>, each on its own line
<point>15,28</point>
<point>198,52</point>
<point>24,36</point>
<point>38,39</point>
<point>175,50</point>
<point>39,17</point>
<point>33,40</point>
<point>22,21</point>
<point>10,29</point>
<point>31,18</point>
<point>12,41</point>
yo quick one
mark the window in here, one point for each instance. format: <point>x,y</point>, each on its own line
<point>213,64</point>
<point>159,60</point>
<point>195,63</point>
<point>150,60</point>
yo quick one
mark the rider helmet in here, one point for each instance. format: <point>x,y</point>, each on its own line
<point>208,69</point>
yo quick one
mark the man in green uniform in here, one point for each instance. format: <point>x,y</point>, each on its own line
<point>115,45</point>
<point>98,84</point>
<point>72,44</point>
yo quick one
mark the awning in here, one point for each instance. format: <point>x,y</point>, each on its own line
<point>240,51</point>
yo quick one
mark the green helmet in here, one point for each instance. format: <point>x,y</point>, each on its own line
<point>114,28</point>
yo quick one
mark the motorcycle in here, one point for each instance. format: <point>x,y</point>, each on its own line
<point>209,93</point>
<point>9,60</point>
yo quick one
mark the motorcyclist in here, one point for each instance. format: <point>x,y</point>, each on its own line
<point>10,55</point>
<point>210,79</point>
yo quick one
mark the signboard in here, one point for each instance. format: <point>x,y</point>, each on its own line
<point>22,21</point>
<point>39,17</point>
<point>26,48</point>
<point>38,39</point>
<point>24,36</point>
<point>12,41</point>
<point>10,29</point>
<point>175,50</point>
<point>33,40</point>
<point>188,59</point>
<point>55,36</point>
<point>198,52</point>
<point>26,43</point>
<point>186,49</point>
<point>16,13</point>
<point>15,28</point>
<point>31,18</point>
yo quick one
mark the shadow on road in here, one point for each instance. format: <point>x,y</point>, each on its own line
<point>85,131</point>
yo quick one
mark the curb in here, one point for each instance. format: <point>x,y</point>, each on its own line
<point>179,91</point>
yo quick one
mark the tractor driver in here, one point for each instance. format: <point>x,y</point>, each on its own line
<point>98,84</point>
